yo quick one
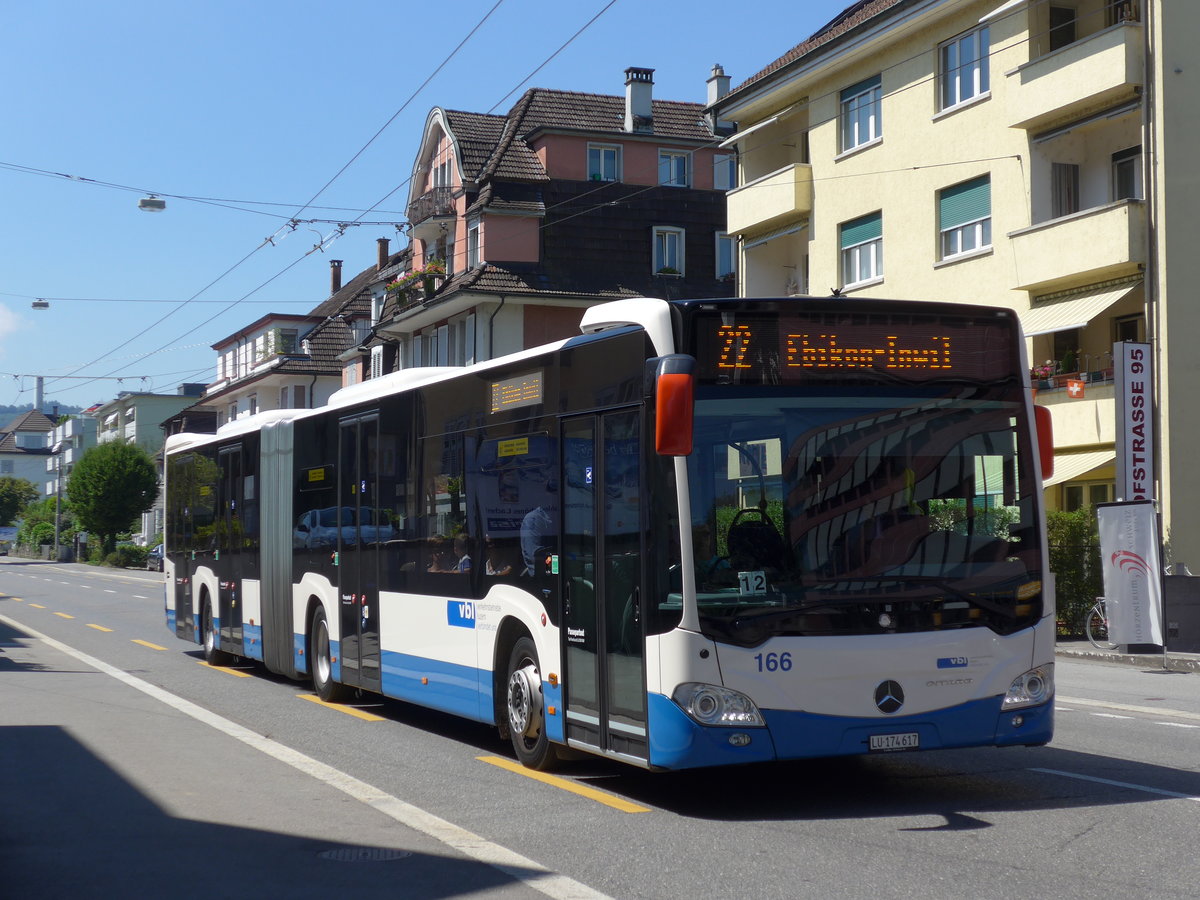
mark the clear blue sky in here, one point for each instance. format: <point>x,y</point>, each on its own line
<point>264,102</point>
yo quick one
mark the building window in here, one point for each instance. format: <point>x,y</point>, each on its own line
<point>6,466</point>
<point>861,107</point>
<point>1062,27</point>
<point>965,217</point>
<point>1064,185</point>
<point>1077,495</point>
<point>963,67</point>
<point>284,398</point>
<point>604,162</point>
<point>668,251</point>
<point>473,244</point>
<point>233,411</point>
<point>252,403</point>
<point>1127,174</point>
<point>377,302</point>
<point>376,362</point>
<point>726,255</point>
<point>673,168</point>
<point>861,241</point>
<point>724,172</point>
<point>1129,328</point>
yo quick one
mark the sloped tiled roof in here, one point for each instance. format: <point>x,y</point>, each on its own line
<point>846,21</point>
<point>30,421</point>
<point>477,135</point>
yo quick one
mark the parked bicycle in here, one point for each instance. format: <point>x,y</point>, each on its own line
<point>1096,626</point>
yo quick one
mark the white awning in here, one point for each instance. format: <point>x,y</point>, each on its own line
<point>1073,312</point>
<point>1002,9</point>
<point>734,138</point>
<point>1070,466</point>
<point>748,243</point>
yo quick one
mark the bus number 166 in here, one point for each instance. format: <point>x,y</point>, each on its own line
<point>774,662</point>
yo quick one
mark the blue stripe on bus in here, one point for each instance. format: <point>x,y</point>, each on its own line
<point>299,661</point>
<point>450,687</point>
<point>252,641</point>
<point>555,724</point>
<point>678,742</point>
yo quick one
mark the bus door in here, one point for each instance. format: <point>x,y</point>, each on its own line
<point>181,540</point>
<point>230,540</point>
<point>361,534</point>
<point>601,566</point>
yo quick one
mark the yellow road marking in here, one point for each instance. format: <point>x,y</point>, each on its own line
<point>64,615</point>
<point>99,627</point>
<point>37,606</point>
<point>342,708</point>
<point>225,669</point>
<point>148,644</point>
<point>564,784</point>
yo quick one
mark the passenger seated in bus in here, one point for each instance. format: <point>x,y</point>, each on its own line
<point>497,562</point>
<point>462,546</point>
<point>441,556</point>
<point>704,554</point>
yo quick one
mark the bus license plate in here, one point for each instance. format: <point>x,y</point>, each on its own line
<point>907,741</point>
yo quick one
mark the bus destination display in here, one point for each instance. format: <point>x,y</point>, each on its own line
<point>514,393</point>
<point>789,348</point>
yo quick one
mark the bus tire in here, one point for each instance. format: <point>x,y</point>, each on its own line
<point>213,655</point>
<point>525,708</point>
<point>321,662</point>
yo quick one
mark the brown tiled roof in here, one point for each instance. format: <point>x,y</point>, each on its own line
<point>31,421</point>
<point>846,21</point>
<point>477,135</point>
<point>510,197</point>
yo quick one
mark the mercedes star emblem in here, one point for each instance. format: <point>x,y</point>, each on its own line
<point>889,696</point>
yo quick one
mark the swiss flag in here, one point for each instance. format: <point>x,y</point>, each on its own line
<point>1075,389</point>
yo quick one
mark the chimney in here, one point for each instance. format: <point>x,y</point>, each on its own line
<point>335,276</point>
<point>718,87</point>
<point>639,91</point>
<point>383,252</point>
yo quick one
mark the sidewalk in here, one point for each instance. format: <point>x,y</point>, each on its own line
<point>1176,662</point>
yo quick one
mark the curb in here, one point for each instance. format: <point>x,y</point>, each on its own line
<point>1175,662</point>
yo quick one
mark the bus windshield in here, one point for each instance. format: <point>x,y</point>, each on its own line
<point>862,509</point>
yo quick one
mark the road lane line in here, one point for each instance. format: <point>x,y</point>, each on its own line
<point>148,644</point>
<point>342,708</point>
<point>1122,784</point>
<point>563,784</point>
<point>37,606</point>
<point>225,669</point>
<point>1177,725</point>
<point>1125,707</point>
<point>64,615</point>
<point>99,627</point>
<point>519,868</point>
<point>1110,716</point>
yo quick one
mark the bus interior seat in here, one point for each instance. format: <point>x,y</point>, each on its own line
<point>753,542</point>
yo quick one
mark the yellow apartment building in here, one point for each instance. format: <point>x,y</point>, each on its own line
<point>1033,154</point>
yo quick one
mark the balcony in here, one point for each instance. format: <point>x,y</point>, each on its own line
<point>1089,75</point>
<point>431,211</point>
<point>1094,245</point>
<point>785,194</point>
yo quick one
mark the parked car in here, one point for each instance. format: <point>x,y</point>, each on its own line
<point>154,559</point>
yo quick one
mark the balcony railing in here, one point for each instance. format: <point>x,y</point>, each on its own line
<point>771,200</point>
<point>1085,247</point>
<point>1094,72</point>
<point>435,205</point>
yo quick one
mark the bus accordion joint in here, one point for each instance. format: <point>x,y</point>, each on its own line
<point>674,399</point>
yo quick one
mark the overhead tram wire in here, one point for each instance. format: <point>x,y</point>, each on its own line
<point>267,241</point>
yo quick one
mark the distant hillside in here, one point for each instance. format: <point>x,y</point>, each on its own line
<point>8,413</point>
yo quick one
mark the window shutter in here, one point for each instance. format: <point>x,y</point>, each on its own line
<point>966,202</point>
<point>859,231</point>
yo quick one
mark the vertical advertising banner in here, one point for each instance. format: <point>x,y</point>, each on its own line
<point>1132,575</point>
<point>1135,421</point>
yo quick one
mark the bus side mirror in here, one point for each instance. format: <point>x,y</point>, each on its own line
<point>1044,427</point>
<point>674,404</point>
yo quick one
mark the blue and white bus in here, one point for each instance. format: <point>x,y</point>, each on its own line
<point>700,533</point>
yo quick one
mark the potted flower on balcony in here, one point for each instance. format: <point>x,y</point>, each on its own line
<point>429,277</point>
<point>670,271</point>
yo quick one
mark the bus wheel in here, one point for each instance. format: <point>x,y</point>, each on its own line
<point>526,719</point>
<point>212,655</point>
<point>321,662</point>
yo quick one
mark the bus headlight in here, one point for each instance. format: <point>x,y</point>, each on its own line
<point>709,704</point>
<point>1031,688</point>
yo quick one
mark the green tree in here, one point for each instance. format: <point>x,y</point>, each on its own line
<point>111,485</point>
<point>15,495</point>
<point>1074,539</point>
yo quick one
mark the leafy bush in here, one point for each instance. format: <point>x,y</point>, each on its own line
<point>127,557</point>
<point>1075,561</point>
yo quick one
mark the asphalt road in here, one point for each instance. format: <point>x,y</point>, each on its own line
<point>129,767</point>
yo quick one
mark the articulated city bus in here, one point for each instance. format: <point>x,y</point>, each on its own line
<point>700,533</point>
